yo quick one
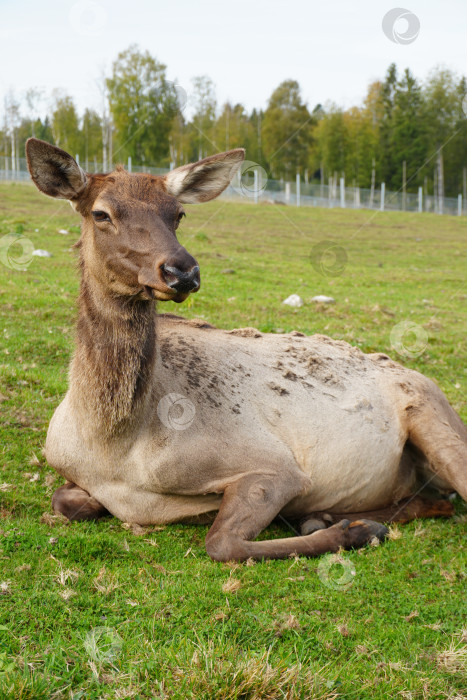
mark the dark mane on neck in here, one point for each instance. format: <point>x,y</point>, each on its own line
<point>115,354</point>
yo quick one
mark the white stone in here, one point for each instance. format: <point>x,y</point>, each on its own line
<point>324,299</point>
<point>64,231</point>
<point>42,253</point>
<point>293,300</point>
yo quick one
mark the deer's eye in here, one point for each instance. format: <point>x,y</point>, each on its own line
<point>100,216</point>
<point>180,216</point>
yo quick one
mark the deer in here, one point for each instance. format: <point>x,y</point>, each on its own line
<point>172,420</point>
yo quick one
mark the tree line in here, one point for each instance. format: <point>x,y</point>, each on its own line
<point>407,133</point>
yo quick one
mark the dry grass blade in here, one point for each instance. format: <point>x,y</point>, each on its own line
<point>453,659</point>
<point>104,582</point>
<point>231,585</point>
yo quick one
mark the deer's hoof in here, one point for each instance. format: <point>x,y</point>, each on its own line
<point>362,532</point>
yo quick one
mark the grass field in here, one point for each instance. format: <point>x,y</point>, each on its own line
<point>100,610</point>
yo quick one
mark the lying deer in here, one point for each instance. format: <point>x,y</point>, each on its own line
<point>170,420</point>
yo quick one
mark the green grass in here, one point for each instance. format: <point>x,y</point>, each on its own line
<point>171,626</point>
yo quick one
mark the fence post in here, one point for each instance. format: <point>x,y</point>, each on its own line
<point>383,190</point>
<point>255,185</point>
<point>459,205</point>
<point>77,158</point>
<point>342,192</point>
<point>129,164</point>
<point>420,199</point>
<point>404,185</point>
<point>297,180</point>
<point>357,197</point>
<point>287,192</point>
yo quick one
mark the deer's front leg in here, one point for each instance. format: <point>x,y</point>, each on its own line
<point>251,503</point>
<point>76,504</point>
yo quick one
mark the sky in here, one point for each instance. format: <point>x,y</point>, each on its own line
<point>334,48</point>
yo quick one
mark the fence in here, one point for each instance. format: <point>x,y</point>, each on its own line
<point>253,185</point>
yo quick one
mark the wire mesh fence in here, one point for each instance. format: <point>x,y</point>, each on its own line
<point>253,185</point>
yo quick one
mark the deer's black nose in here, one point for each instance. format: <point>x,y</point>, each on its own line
<point>181,281</point>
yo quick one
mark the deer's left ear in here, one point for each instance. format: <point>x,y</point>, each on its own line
<point>54,172</point>
<point>206,179</point>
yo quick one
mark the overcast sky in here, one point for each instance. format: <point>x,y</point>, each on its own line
<point>334,48</point>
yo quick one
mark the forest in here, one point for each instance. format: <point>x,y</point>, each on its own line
<point>408,132</point>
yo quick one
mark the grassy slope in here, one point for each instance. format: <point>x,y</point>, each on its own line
<point>286,629</point>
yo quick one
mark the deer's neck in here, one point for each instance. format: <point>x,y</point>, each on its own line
<point>111,371</point>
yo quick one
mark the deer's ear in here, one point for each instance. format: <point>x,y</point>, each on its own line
<point>54,172</point>
<point>206,179</point>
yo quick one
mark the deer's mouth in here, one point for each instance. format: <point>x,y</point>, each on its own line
<point>169,283</point>
<point>152,293</point>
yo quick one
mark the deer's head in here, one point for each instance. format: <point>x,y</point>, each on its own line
<point>129,242</point>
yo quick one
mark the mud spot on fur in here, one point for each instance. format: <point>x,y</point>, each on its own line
<point>199,323</point>
<point>278,389</point>
<point>290,375</point>
<point>407,388</point>
<point>195,322</point>
<point>356,352</point>
<point>362,404</point>
<point>246,332</point>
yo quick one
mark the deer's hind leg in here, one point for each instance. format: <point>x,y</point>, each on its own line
<point>403,512</point>
<point>439,433</point>
<point>76,504</point>
<point>251,503</point>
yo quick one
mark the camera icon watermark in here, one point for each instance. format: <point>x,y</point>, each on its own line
<point>401,26</point>
<point>176,412</point>
<point>252,179</point>
<point>16,251</point>
<point>178,97</point>
<point>88,18</point>
<point>409,339</point>
<point>464,106</point>
<point>103,645</point>
<point>328,258</point>
<point>336,572</point>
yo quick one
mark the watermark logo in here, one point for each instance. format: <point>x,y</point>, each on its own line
<point>103,645</point>
<point>401,26</point>
<point>179,97</point>
<point>409,339</point>
<point>464,106</point>
<point>88,18</point>
<point>336,572</point>
<point>259,494</point>
<point>176,412</point>
<point>252,179</point>
<point>328,258</point>
<point>16,251</point>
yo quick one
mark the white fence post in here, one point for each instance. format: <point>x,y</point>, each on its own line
<point>297,180</point>
<point>383,190</point>
<point>357,197</point>
<point>129,164</point>
<point>255,185</point>
<point>459,205</point>
<point>287,192</point>
<point>342,192</point>
<point>77,158</point>
<point>420,199</point>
